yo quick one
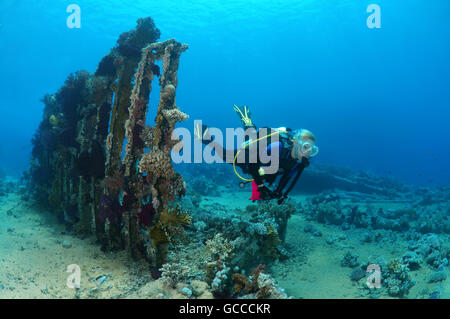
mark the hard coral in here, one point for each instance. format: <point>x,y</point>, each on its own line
<point>174,115</point>
<point>259,285</point>
<point>157,164</point>
<point>147,136</point>
<point>220,248</point>
<point>268,288</point>
<point>174,273</point>
<point>241,283</point>
<point>395,265</point>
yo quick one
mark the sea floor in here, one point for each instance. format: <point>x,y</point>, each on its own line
<point>322,276</point>
<point>35,251</point>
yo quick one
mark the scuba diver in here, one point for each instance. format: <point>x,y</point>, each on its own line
<point>292,148</point>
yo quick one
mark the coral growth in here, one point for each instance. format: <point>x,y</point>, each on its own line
<point>169,226</point>
<point>220,248</point>
<point>156,164</point>
<point>174,273</point>
<point>259,285</point>
<point>395,279</point>
<point>130,43</point>
<point>329,209</point>
<point>78,149</point>
<point>174,115</point>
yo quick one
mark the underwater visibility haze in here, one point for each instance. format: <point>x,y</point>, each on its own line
<point>356,91</point>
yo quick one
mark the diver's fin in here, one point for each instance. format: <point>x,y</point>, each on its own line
<point>256,195</point>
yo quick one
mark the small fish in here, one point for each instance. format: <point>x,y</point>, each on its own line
<point>101,279</point>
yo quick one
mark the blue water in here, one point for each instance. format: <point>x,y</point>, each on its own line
<point>376,99</point>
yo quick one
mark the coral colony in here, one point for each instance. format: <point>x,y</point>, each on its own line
<point>77,165</point>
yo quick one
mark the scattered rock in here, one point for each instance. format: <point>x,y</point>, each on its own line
<point>187,292</point>
<point>311,229</point>
<point>66,244</point>
<point>350,260</point>
<point>357,274</point>
<point>438,276</point>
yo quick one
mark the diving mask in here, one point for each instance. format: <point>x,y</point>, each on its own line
<point>307,149</point>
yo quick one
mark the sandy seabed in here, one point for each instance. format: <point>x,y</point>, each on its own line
<point>35,251</point>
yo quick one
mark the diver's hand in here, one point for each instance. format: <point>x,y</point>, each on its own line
<point>265,192</point>
<point>281,199</point>
<point>200,132</point>
<point>277,194</point>
<point>244,116</point>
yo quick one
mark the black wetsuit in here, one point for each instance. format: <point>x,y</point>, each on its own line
<point>289,168</point>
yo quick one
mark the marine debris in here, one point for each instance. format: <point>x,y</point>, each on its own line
<point>97,165</point>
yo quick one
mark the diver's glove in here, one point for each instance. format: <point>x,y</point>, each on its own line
<point>281,199</point>
<point>200,133</point>
<point>277,194</point>
<point>244,116</point>
<point>265,192</point>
